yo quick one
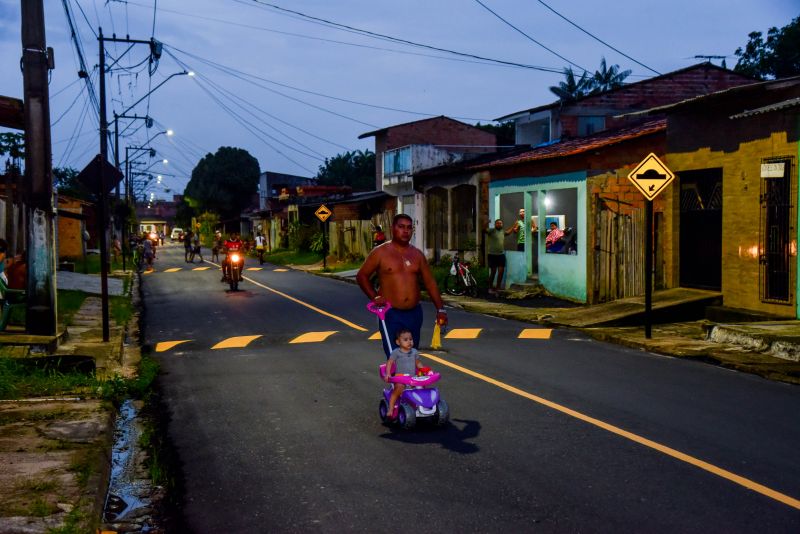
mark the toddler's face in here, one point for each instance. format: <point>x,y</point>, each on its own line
<point>405,341</point>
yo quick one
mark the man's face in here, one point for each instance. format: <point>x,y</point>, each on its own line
<point>498,224</point>
<point>402,230</point>
<point>553,226</point>
<point>521,214</point>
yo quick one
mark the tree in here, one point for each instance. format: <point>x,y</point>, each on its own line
<point>65,180</point>
<point>608,78</point>
<point>355,168</point>
<point>224,182</point>
<point>571,88</point>
<point>777,57</point>
<point>12,145</point>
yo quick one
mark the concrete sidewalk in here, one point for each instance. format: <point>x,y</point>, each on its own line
<point>88,283</point>
<point>768,349</point>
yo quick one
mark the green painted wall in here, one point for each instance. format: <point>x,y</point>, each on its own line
<point>562,275</point>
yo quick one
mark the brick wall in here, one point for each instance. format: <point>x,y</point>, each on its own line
<point>737,147</point>
<point>436,131</point>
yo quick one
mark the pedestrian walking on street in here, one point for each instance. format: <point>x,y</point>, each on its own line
<point>187,246</point>
<point>399,266</point>
<point>196,248</point>
<point>260,248</point>
<point>216,246</point>
<point>496,255</point>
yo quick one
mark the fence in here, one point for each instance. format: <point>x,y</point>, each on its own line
<point>353,239</point>
<point>619,258</point>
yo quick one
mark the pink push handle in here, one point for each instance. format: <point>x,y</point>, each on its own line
<point>410,380</point>
<point>380,311</point>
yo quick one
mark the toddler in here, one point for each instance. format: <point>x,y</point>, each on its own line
<point>405,359</point>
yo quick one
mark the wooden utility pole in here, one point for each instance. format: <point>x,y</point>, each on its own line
<point>102,203</point>
<point>36,60</point>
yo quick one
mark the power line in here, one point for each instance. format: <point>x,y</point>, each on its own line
<point>225,68</point>
<point>490,10</point>
<point>335,41</point>
<point>381,36</point>
<point>597,38</point>
<point>77,96</point>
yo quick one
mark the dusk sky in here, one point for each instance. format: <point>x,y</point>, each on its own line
<point>279,59</point>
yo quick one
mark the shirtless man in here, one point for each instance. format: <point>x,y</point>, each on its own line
<point>399,266</point>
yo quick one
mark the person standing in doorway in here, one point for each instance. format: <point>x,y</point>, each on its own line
<point>519,229</point>
<point>400,266</point>
<point>496,255</point>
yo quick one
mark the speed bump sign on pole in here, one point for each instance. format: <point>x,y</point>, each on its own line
<point>323,213</point>
<point>651,176</point>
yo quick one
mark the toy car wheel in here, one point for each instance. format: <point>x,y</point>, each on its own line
<point>383,410</point>
<point>442,413</point>
<point>406,417</point>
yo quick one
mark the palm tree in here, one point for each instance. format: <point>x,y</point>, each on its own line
<point>573,89</point>
<point>608,78</point>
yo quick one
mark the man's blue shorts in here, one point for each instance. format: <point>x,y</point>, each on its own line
<point>397,319</point>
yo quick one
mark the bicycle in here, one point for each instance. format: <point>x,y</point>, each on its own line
<point>460,280</point>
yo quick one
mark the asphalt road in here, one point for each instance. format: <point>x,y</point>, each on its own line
<point>557,433</point>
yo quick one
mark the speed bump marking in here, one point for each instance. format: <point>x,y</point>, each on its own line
<point>166,345</point>
<point>535,333</point>
<point>375,336</point>
<point>313,337</point>
<point>254,269</point>
<point>463,333</point>
<point>201,268</point>
<point>280,270</point>
<point>237,342</point>
<point>172,270</point>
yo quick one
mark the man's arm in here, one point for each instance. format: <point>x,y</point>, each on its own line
<point>365,273</point>
<point>433,290</point>
<point>513,229</point>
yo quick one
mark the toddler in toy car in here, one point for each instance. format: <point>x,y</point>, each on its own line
<point>405,359</point>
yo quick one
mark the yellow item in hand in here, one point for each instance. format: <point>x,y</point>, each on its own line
<point>436,342</point>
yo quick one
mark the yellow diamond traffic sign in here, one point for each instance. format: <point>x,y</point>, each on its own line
<point>651,176</point>
<point>323,213</point>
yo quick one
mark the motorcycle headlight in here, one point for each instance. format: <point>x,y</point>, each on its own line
<point>235,258</point>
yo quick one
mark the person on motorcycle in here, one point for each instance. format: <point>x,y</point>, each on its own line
<point>233,244</point>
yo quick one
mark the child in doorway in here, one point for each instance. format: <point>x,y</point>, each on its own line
<point>405,359</point>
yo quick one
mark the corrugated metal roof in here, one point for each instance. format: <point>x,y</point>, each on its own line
<point>777,106</point>
<point>579,145</point>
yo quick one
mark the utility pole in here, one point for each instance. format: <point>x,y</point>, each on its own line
<point>103,200</point>
<point>40,315</point>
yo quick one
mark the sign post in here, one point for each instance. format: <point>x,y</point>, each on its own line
<point>650,177</point>
<point>323,213</point>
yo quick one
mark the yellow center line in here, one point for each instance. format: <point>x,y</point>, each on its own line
<point>307,305</point>
<point>728,475</point>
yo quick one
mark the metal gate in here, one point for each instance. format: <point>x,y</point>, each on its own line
<point>775,235</point>
<point>701,229</point>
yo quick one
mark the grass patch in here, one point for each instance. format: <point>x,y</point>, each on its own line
<point>120,309</point>
<point>36,485</point>
<point>293,257</point>
<point>343,266</point>
<point>92,264</point>
<point>21,378</point>
<point>67,304</point>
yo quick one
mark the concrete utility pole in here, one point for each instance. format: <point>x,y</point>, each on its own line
<point>102,203</point>
<point>36,60</point>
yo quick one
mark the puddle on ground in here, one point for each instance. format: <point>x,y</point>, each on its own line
<point>129,498</point>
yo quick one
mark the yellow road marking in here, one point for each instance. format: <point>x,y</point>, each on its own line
<point>309,306</point>
<point>237,342</point>
<point>172,270</point>
<point>254,269</point>
<point>280,270</point>
<point>148,272</point>
<point>463,333</point>
<point>711,468</point>
<point>313,337</point>
<point>166,345</point>
<point>201,268</point>
<point>535,333</point>
<point>376,335</point>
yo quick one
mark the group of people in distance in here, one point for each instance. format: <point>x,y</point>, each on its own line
<point>495,244</point>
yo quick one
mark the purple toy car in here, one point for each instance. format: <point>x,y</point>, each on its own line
<point>419,400</point>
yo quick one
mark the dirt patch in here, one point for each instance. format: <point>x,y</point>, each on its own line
<point>52,454</point>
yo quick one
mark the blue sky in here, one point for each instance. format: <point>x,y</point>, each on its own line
<point>294,131</point>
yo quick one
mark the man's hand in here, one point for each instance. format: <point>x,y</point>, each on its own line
<point>379,301</point>
<point>441,317</point>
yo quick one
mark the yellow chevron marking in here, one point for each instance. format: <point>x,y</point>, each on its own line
<point>463,333</point>
<point>237,342</point>
<point>376,335</point>
<point>535,333</point>
<point>280,270</point>
<point>254,269</point>
<point>201,268</point>
<point>148,272</point>
<point>166,345</point>
<point>172,270</point>
<point>313,337</point>
<point>663,449</point>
